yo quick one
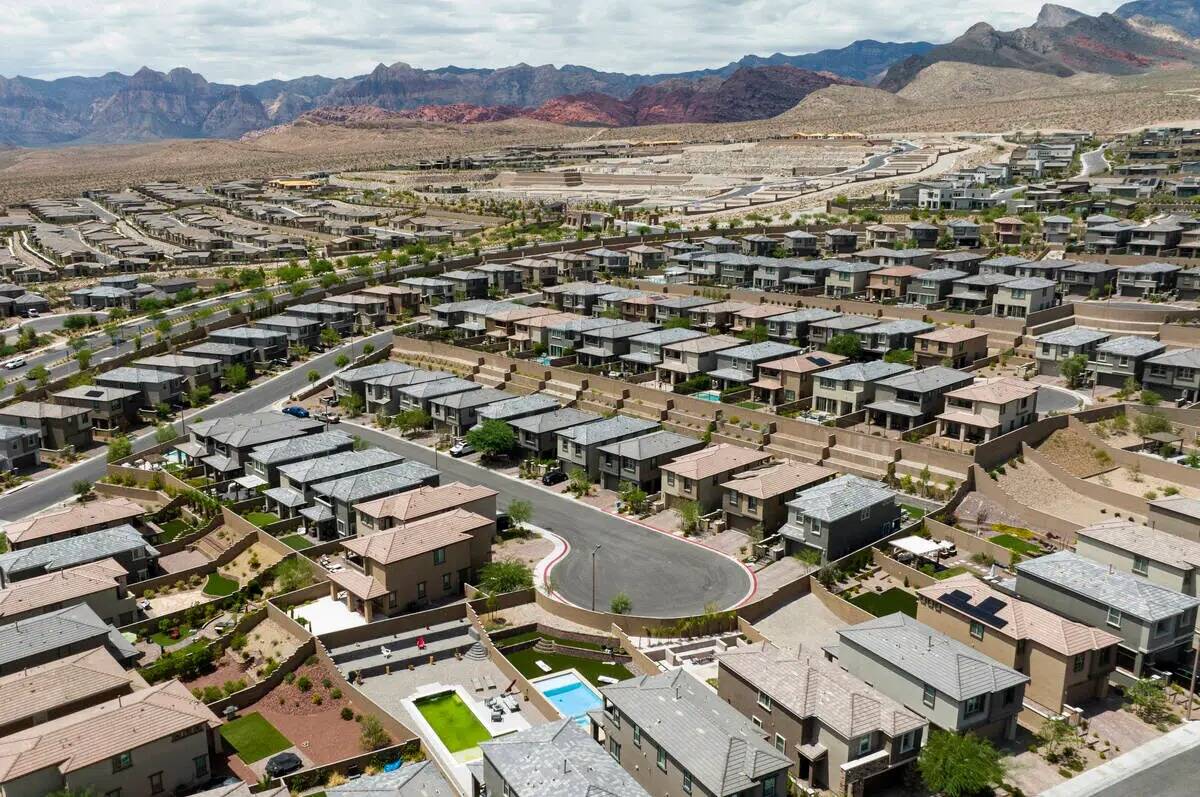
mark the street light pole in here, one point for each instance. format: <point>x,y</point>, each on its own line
<point>594,550</point>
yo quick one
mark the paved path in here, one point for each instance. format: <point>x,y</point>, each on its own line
<point>663,575</point>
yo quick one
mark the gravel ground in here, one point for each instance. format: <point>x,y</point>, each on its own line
<point>1036,488</point>
<point>1073,453</point>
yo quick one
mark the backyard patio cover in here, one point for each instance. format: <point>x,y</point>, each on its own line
<point>251,481</point>
<point>916,545</point>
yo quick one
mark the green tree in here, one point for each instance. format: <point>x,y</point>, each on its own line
<point>162,328</point>
<point>505,575</point>
<point>82,489</point>
<point>679,322</point>
<point>236,376</point>
<point>352,403</point>
<point>578,482</point>
<point>620,604</point>
<point>903,356</point>
<point>411,420</point>
<point>39,374</point>
<point>1073,368</point>
<point>520,512</point>
<point>845,345</point>
<point>164,433</point>
<point>755,334</point>
<point>368,348</point>
<point>1150,398</point>
<point>330,337</point>
<point>492,438</point>
<point>342,360</point>
<point>119,447</point>
<point>313,375</point>
<point>372,735</point>
<point>959,766</point>
<point>1149,701</point>
<point>633,498</point>
<point>689,517</point>
<point>1058,736</point>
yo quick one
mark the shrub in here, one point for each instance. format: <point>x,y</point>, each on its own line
<point>373,736</point>
<point>335,693</point>
<point>303,683</point>
<point>347,713</point>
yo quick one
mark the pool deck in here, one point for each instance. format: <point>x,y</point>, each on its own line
<point>541,683</point>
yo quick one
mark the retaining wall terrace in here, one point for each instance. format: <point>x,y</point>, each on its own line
<point>1030,517</point>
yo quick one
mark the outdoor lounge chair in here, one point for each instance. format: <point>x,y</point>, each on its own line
<point>487,679</point>
<point>543,666</point>
<point>477,684</point>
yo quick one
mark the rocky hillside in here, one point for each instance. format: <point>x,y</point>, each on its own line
<point>1062,42</point>
<point>1182,15</point>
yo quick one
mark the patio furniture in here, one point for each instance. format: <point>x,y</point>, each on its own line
<point>385,651</point>
<point>487,679</point>
<point>543,666</point>
<point>511,703</point>
<point>476,684</point>
<point>607,679</point>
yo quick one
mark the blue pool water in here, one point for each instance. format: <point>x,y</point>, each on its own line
<point>569,693</point>
<point>708,395</point>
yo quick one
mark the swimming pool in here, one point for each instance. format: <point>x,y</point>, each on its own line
<point>708,395</point>
<point>570,694</point>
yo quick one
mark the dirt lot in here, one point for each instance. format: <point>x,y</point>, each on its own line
<point>1073,453</point>
<point>530,551</point>
<point>1037,489</point>
<point>1140,484</point>
<point>240,568</point>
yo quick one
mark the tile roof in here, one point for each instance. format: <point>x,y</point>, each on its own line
<point>472,398</point>
<point>952,335</point>
<point>1183,358</point>
<point>714,460</point>
<point>519,406</point>
<point>1131,346</point>
<point>440,387</point>
<point>995,391</point>
<point>1072,336</point>
<point>73,551</point>
<point>805,315</point>
<point>39,409</point>
<point>604,430</point>
<point>708,737</point>
<point>706,343</point>
<point>941,275</point>
<point>298,448</point>
<point>69,681</point>
<point>363,486</point>
<point>846,322</point>
<point>778,479</point>
<point>254,428</point>
<point>310,471</point>
<point>840,497</point>
<point>869,371</point>
<point>1156,545</point>
<point>649,445</point>
<point>107,512</point>
<point>1150,268</point>
<point>404,378</point>
<point>424,501</point>
<point>759,352</point>
<point>808,685</point>
<point>557,759</point>
<point>553,421</point>
<point>97,393</point>
<point>662,337</point>
<point>1017,619</point>
<point>804,363</point>
<point>900,326</point>
<point>374,371</point>
<point>1029,284</point>
<point>418,537</point>
<point>415,779</point>
<point>211,347</point>
<point>73,626</point>
<point>914,648</point>
<point>1130,594</point>
<point>1177,503</point>
<point>936,377</point>
<point>72,585</point>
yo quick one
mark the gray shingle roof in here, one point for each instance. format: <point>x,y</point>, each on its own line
<point>97,393</point>
<point>310,471</point>
<point>254,428</point>
<point>900,326</point>
<point>985,280</point>
<point>1128,593</point>
<point>1072,336</point>
<point>416,779</point>
<point>374,371</point>
<point>553,421</point>
<point>807,315</point>
<point>85,548</point>
<point>914,648</point>
<point>1131,346</point>
<point>846,322</point>
<point>759,352</point>
<point>249,333</point>
<point>662,337</point>
<point>298,448</point>
<point>363,486</point>
<point>472,398</point>
<point>73,627</point>
<point>1183,358</point>
<point>1150,268</point>
<point>520,406</point>
<point>721,749</point>
<point>941,275</point>
<point>840,497</point>
<point>926,379</point>
<point>139,376</point>
<point>650,445</point>
<point>602,431</point>
<point>1029,284</point>
<point>416,376</point>
<point>855,268</point>
<point>213,348</point>
<point>557,759</point>
<point>289,321</point>
<point>440,387</point>
<point>1004,261</point>
<point>869,371</point>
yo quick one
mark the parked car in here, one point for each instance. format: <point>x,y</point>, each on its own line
<point>296,412</point>
<point>16,362</point>
<point>503,521</point>
<point>555,476</point>
<point>283,764</point>
<point>31,313</point>
<point>461,449</point>
<point>327,417</point>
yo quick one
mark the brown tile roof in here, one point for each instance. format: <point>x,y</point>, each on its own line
<point>778,479</point>
<point>520,314</point>
<point>995,391</point>
<point>360,585</point>
<point>68,681</point>
<point>548,320</point>
<point>41,409</point>
<point>59,587</point>
<point>764,311</point>
<point>1025,620</point>
<point>112,512</point>
<point>723,307</point>
<point>952,335</point>
<point>424,501</point>
<point>899,271</point>
<point>707,343</point>
<point>805,363</point>
<point>713,460</point>
<point>98,733</point>
<point>419,537</point>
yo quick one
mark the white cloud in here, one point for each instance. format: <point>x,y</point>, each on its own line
<point>235,41</point>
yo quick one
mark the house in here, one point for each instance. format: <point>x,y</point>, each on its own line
<point>1174,374</point>
<point>223,445</point>
<point>839,734</point>
<point>893,284</point>
<point>403,569</point>
<point>1155,624</point>
<point>298,479</point>
<point>226,353</point>
<point>889,336</point>
<point>1175,515</point>
<point>699,476</point>
<point>1004,264</point>
<point>839,517</point>
<point>698,742</point>
<point>976,294</point>
<point>123,544</point>
<point>1155,239</point>
<point>466,284</point>
<point>383,392</point>
<point>792,326</point>
<point>840,242</point>
<point>758,245</point>
<point>1068,663</point>
<point>964,232</point>
<point>459,411</point>
<point>801,243</point>
<point>1146,279</point>
<point>567,336</point>
<point>54,635</point>
<point>953,347</point>
<point>156,387</point>
<point>850,387</point>
<point>1155,554</point>
<point>791,378</point>
<point>1024,296</point>
<point>418,396</point>
<point>58,425</point>
<point>849,279</point>
<point>678,307</point>
<point>1087,279</point>
<point>572,266</point>
<point>955,687</point>
<point>335,500</point>
<point>716,315</point>
<point>20,449</point>
<point>538,433</point>
<point>368,311</point>
<point>1008,231</point>
<point>197,372</point>
<point>739,366</point>
<point>516,408</point>
<point>757,315</point>
<point>987,409</point>
<point>694,357</point>
<point>1118,360</point>
<point>932,287</point>
<point>643,258</point>
<point>100,584</point>
<point>501,278</point>
<point>1046,269</point>
<point>606,345</point>
<point>574,297</point>
<point>913,398</point>
<point>1057,229</point>
<point>398,300</point>
<point>755,500</point>
<point>432,290</point>
<point>636,460</point>
<point>550,760</point>
<point>1062,344</point>
<point>808,275</point>
<point>645,350</point>
<point>609,260</point>
<point>381,514</point>
<point>821,333</point>
<point>880,235</point>
<point>719,244</point>
<point>161,738</point>
<point>332,316</point>
<point>967,262</point>
<point>263,464</point>
<point>112,409</point>
<point>48,691</point>
<point>354,380</point>
<point>297,331</point>
<point>579,446</point>
<point>71,521</point>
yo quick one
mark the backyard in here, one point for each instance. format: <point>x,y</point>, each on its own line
<point>454,723</point>
<point>262,519</point>
<point>297,542</point>
<point>254,738</point>
<point>526,661</point>
<point>218,586</point>
<point>887,602</point>
<point>1014,543</point>
<point>172,529</point>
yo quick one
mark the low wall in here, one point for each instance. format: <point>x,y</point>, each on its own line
<point>845,611</point>
<point>1151,466</point>
<point>758,609</point>
<point>965,541</point>
<point>750,632</point>
<point>395,728</point>
<point>1106,496</point>
<point>639,662</point>
<point>1032,518</point>
<point>313,777</point>
<point>277,608</point>
<point>605,620</point>
<point>909,576</point>
<point>257,691</point>
<point>140,494</point>
<point>393,625</point>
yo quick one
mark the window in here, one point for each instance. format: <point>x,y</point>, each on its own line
<point>637,736</point>
<point>687,783</point>
<point>687,485</point>
<point>156,783</point>
<point>751,504</point>
<point>1162,627</point>
<point>974,705</point>
<point>769,787</point>
<point>865,513</point>
<point>439,556</point>
<point>864,745</point>
<point>908,741</point>
<point>1114,617</point>
<point>780,743</point>
<point>976,629</point>
<point>670,479</point>
<point>1078,662</point>
<point>756,722</point>
<point>661,759</point>
<point>764,701</point>
<point>122,761</point>
<point>1141,565</point>
<point>447,582</point>
<point>1010,694</point>
<point>733,498</point>
<point>929,696</point>
<point>420,589</point>
<point>614,749</point>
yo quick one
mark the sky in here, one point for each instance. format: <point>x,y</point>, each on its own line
<point>235,41</point>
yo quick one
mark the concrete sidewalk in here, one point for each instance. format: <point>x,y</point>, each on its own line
<point>1166,767</point>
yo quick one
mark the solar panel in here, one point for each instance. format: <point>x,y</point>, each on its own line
<point>985,611</point>
<point>819,360</point>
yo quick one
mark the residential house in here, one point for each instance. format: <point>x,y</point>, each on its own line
<point>566,336</point>
<point>913,398</point>
<point>644,258</point>
<point>792,326</point>
<point>953,347</point>
<point>263,464</point>
<point>123,544</point>
<point>501,278</point>
<point>537,433</point>
<point>717,315</point>
<point>801,243</point>
<point>399,300</point>
<point>71,521</point>
<point>572,266</point>
<point>459,411</point>
<point>1147,279</point>
<point>955,687</point>
<point>636,460</point>
<point>1109,238</point>
<point>58,425</point>
<point>1155,624</point>
<point>678,307</point>
<point>1024,296</point>
<point>1061,344</point>
<point>840,734</point>
<point>156,387</point>
<point>770,273</point>
<point>849,388</point>
<point>966,233</point>
<point>849,279</point>
<point>223,445</point>
<point>383,392</point>
<point>791,378</point>
<point>821,333</point>
<point>739,366</point>
<point>1118,360</point>
<point>694,357</point>
<point>1008,230</point>
<point>839,517</point>
<point>932,287</point>
<point>49,691</point>
<point>699,476</point>
<point>967,262</point>
<point>699,743</point>
<point>112,409</point>
<point>519,407</point>
<point>335,500</point>
<point>646,350</point>
<point>607,260</point>
<point>297,480</point>
<point>418,396</point>
<point>758,245</point>
<point>1174,374</point>
<point>719,244</point>
<point>1187,282</point>
<point>1175,515</point>
<point>889,336</point>
<point>840,242</point>
<point>297,331</point>
<point>54,635</point>
<point>757,315</point>
<point>579,446</point>
<point>1004,264</point>
<point>433,291</point>
<point>397,511</point>
<point>1068,663</point>
<point>504,323</point>
<point>354,380</point>
<point>808,275</point>
<point>987,409</point>
<point>225,353</point>
<point>1155,554</point>
<point>881,235</point>
<point>369,311</point>
<point>574,297</point>
<point>100,584</point>
<point>332,316</point>
<point>197,372</point>
<point>466,284</point>
<point>20,449</point>
<point>1057,229</point>
<point>756,500</point>
<point>607,345</point>
<point>1046,269</point>
<point>1155,239</point>
<point>976,294</point>
<point>887,258</point>
<point>1087,279</point>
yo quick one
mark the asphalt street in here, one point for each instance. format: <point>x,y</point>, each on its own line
<point>47,491</point>
<point>663,575</point>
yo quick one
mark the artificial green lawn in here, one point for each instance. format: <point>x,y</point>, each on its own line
<point>949,572</point>
<point>254,738</point>
<point>915,512</point>
<point>1016,544</point>
<point>164,638</point>
<point>528,635</point>
<point>887,602</point>
<point>297,542</point>
<point>453,722</point>
<point>524,660</point>
<point>172,529</point>
<point>262,519</point>
<point>218,586</point>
